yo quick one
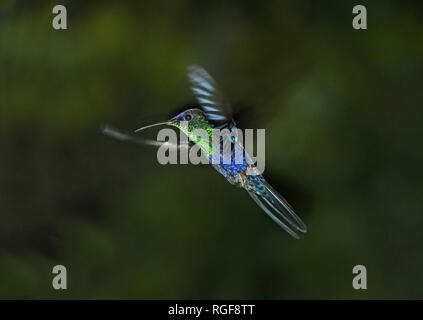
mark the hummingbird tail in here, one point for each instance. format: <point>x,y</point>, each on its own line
<point>278,209</point>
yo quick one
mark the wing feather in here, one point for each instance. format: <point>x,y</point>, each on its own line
<point>208,95</point>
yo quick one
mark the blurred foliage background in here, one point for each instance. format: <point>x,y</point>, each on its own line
<point>342,111</point>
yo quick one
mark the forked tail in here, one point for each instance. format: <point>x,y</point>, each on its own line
<point>277,208</point>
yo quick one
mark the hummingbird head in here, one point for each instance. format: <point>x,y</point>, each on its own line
<point>186,121</point>
<point>190,120</point>
<point>191,116</point>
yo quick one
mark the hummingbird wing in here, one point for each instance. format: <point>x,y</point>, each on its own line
<point>208,95</point>
<point>185,146</point>
<point>107,130</point>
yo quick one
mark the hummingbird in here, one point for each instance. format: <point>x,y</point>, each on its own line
<point>215,113</point>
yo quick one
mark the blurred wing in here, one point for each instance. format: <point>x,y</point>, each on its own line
<point>107,130</point>
<point>208,95</point>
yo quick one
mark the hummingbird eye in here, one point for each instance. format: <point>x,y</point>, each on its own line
<point>188,117</point>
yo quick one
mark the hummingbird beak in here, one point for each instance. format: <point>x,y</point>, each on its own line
<point>153,125</point>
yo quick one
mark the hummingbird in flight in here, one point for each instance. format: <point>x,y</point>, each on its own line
<point>215,113</point>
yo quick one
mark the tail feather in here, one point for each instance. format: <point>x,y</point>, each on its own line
<point>283,208</point>
<point>278,209</point>
<point>263,203</point>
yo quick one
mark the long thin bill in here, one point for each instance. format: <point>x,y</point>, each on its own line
<point>152,125</point>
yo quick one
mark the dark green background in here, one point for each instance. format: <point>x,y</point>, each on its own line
<point>342,111</point>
